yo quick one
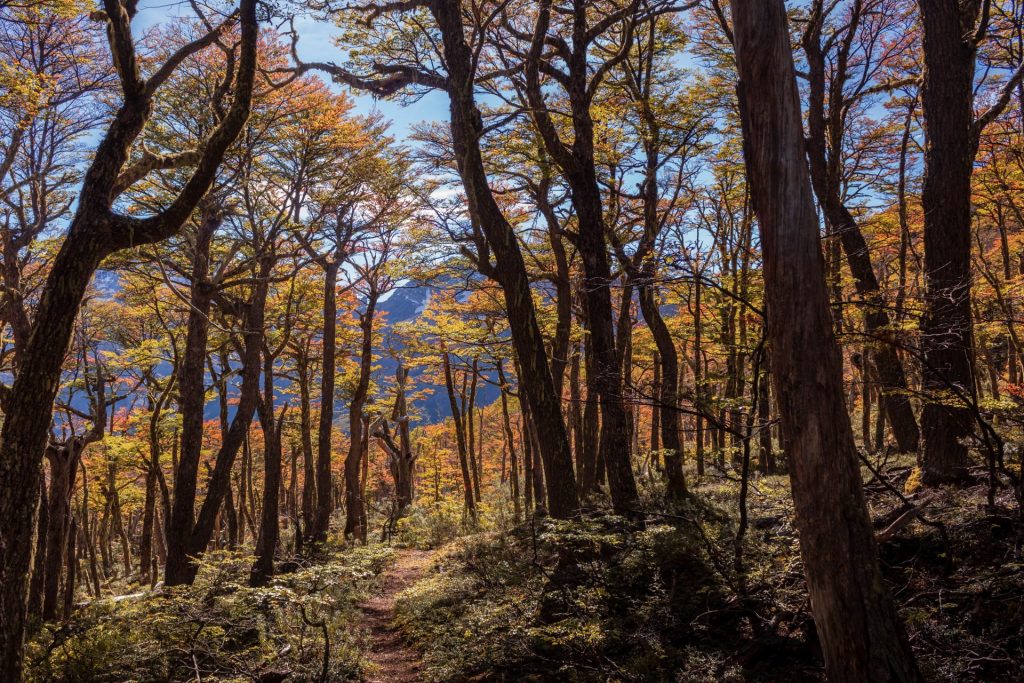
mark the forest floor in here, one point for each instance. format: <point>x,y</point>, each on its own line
<point>395,661</point>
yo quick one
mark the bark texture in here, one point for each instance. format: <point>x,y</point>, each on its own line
<point>861,635</point>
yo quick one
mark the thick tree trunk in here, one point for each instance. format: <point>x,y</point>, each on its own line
<point>861,635</point>
<point>192,393</point>
<point>947,344</point>
<point>23,439</point>
<point>613,447</point>
<point>95,232</point>
<point>64,461</point>
<point>183,569</point>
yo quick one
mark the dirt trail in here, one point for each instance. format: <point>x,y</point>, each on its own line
<point>396,661</point>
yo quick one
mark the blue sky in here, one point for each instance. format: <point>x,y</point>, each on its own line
<point>315,44</point>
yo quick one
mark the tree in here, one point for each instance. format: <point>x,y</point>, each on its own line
<point>581,81</point>
<point>835,96</point>
<point>340,195</point>
<point>96,231</point>
<point>372,267</point>
<point>952,33</point>
<point>669,133</point>
<point>493,234</point>
<point>861,636</point>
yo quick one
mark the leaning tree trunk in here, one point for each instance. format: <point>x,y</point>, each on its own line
<point>26,426</point>
<point>861,635</point>
<point>536,382</point>
<point>96,231</point>
<point>826,178</point>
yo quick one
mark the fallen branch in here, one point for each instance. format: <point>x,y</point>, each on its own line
<point>904,519</point>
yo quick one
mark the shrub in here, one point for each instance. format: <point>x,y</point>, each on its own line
<point>568,601</point>
<point>219,628</point>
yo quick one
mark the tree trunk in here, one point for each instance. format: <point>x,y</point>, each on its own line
<point>35,592</point>
<point>947,97</point>
<point>591,427</point>
<point>95,232</point>
<point>70,570</point>
<point>355,506</point>
<point>402,459</point>
<point>460,437</point>
<point>306,435</point>
<point>267,540</point>
<point>535,377</point>
<point>510,444</point>
<point>826,177</point>
<point>183,569</point>
<point>64,461</point>
<point>668,364</point>
<point>470,408</point>
<point>324,500</point>
<point>766,456</point>
<point>861,635</point>
<point>192,393</point>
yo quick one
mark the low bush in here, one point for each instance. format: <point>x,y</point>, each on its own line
<point>219,629</point>
<point>590,600</point>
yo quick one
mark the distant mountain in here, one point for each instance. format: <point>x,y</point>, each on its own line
<point>404,305</point>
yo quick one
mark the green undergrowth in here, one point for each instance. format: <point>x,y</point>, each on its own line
<point>298,628</point>
<point>600,600</point>
<point>591,600</point>
<point>431,524</point>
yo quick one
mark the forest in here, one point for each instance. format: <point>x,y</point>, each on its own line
<point>511,340</point>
